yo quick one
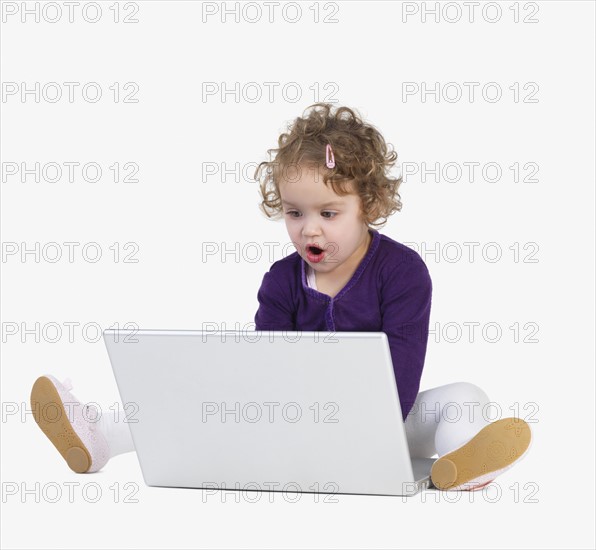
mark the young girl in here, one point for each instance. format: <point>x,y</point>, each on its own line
<point>330,181</point>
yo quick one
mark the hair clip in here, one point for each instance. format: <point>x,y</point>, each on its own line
<point>329,157</point>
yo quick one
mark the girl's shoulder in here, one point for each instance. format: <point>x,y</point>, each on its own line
<point>395,253</point>
<point>289,264</point>
<point>284,273</point>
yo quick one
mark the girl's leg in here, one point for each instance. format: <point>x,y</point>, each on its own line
<point>114,427</point>
<point>444,418</point>
<point>85,437</point>
<point>449,421</point>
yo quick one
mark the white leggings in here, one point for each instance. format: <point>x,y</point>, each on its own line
<point>445,418</point>
<point>441,420</point>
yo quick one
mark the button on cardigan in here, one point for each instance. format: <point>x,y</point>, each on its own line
<point>390,292</point>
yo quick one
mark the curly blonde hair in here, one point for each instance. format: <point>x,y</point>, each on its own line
<point>361,157</point>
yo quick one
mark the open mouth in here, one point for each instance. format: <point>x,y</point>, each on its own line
<point>314,253</point>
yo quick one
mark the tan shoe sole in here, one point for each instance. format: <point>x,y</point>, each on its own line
<point>52,418</point>
<point>494,448</point>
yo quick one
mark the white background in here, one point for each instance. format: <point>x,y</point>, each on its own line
<point>173,210</point>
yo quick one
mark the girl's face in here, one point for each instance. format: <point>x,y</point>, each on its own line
<point>314,214</point>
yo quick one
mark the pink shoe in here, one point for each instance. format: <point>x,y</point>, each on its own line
<point>492,451</point>
<point>478,487</point>
<point>77,439</point>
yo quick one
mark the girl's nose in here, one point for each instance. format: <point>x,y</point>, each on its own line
<point>311,228</point>
<point>311,232</point>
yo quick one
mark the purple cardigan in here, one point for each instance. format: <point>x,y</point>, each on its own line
<point>390,292</point>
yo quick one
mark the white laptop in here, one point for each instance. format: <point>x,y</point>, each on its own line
<point>312,412</point>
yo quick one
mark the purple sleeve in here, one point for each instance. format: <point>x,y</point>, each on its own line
<point>405,311</point>
<point>275,309</point>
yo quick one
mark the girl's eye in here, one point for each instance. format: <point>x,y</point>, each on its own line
<point>333,214</point>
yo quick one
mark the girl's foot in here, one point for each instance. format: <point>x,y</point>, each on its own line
<point>70,429</point>
<point>488,454</point>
